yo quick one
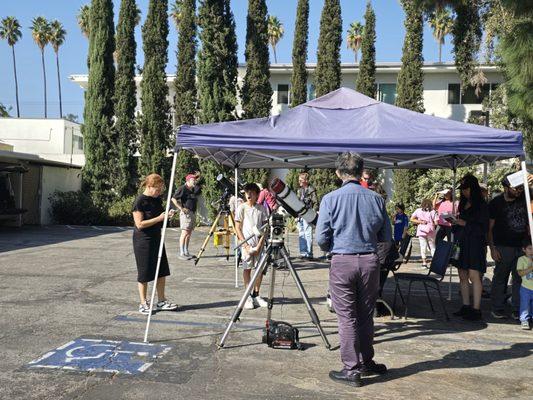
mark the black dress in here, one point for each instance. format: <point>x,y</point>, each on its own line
<point>472,238</point>
<point>146,241</point>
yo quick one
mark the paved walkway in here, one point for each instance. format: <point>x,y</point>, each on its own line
<point>63,287</point>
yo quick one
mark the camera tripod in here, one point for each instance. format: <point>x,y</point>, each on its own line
<point>274,251</point>
<point>227,230</point>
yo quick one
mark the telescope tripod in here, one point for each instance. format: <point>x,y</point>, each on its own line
<point>274,250</point>
<point>227,230</point>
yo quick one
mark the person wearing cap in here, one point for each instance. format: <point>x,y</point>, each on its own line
<point>442,203</point>
<point>186,199</point>
<point>508,225</point>
<point>351,222</point>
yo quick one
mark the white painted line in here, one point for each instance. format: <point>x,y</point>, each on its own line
<point>144,367</point>
<point>121,228</point>
<point>174,229</point>
<point>65,345</point>
<point>141,353</point>
<point>95,227</point>
<point>50,353</point>
<point>206,280</point>
<point>69,227</point>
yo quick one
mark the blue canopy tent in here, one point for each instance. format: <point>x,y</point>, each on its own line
<point>313,134</point>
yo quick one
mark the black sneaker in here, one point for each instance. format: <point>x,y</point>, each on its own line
<point>498,315</point>
<point>473,315</point>
<point>351,379</point>
<point>373,368</point>
<point>465,309</point>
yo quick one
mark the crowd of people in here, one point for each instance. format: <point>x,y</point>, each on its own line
<point>352,222</point>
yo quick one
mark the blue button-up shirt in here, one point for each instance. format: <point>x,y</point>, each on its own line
<point>352,219</point>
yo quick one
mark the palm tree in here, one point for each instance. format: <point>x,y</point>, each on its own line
<point>57,38</point>
<point>10,31</point>
<point>275,33</point>
<point>40,31</point>
<point>441,22</point>
<point>175,13</point>
<point>355,37</point>
<point>83,20</point>
<point>478,80</point>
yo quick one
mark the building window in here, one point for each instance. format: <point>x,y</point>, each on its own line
<point>469,96</point>
<point>311,92</point>
<point>387,93</point>
<point>283,94</point>
<point>78,142</point>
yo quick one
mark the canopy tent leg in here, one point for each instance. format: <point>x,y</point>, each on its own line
<point>235,236</point>
<point>528,197</point>
<point>162,243</point>
<point>454,183</point>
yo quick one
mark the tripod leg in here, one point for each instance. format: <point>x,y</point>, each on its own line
<point>204,245</point>
<point>271,293</point>
<point>236,314</point>
<point>303,293</point>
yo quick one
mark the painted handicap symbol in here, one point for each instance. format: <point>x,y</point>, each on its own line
<point>99,355</point>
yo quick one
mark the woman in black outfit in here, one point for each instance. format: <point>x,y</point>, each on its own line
<point>470,231</point>
<point>148,215</point>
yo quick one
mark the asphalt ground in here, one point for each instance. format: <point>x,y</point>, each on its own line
<point>61,284</point>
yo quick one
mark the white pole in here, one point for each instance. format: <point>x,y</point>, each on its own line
<point>528,198</point>
<point>236,238</point>
<point>162,243</point>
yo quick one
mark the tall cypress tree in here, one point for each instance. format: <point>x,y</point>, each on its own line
<point>125,99</point>
<point>299,55</point>
<point>410,93</point>
<point>411,78</point>
<point>256,90</point>
<point>155,125</point>
<point>328,66</point>
<point>466,38</point>
<point>98,112</point>
<point>366,79</point>
<point>217,78</point>
<point>328,76</point>
<point>185,82</point>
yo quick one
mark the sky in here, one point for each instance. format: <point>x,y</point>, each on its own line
<point>389,30</point>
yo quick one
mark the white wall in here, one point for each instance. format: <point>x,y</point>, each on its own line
<point>43,137</point>
<point>57,178</point>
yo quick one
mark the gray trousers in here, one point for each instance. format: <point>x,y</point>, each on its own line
<point>502,270</point>
<point>354,288</point>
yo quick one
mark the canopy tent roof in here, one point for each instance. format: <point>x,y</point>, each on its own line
<point>313,134</point>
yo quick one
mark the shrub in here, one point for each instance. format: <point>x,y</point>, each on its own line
<point>76,208</point>
<point>119,212</point>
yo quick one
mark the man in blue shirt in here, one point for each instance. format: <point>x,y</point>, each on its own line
<point>352,220</point>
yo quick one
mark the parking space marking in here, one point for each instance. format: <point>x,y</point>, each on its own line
<point>100,355</point>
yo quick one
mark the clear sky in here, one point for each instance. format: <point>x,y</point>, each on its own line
<point>389,28</point>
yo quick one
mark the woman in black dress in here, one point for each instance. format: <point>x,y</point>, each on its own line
<point>148,216</point>
<point>470,231</point>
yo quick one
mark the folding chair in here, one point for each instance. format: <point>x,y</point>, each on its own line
<point>435,275</point>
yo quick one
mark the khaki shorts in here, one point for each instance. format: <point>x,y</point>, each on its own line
<point>187,221</point>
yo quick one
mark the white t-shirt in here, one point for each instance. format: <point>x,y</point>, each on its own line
<point>250,216</point>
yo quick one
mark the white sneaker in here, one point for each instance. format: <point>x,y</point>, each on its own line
<point>260,301</point>
<point>166,305</point>
<point>249,304</point>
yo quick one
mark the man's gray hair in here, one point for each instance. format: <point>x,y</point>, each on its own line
<point>349,164</point>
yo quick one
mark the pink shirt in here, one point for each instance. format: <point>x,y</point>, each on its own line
<point>446,206</point>
<point>428,229</point>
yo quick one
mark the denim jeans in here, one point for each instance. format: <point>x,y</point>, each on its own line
<point>305,238</point>
<point>526,304</point>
